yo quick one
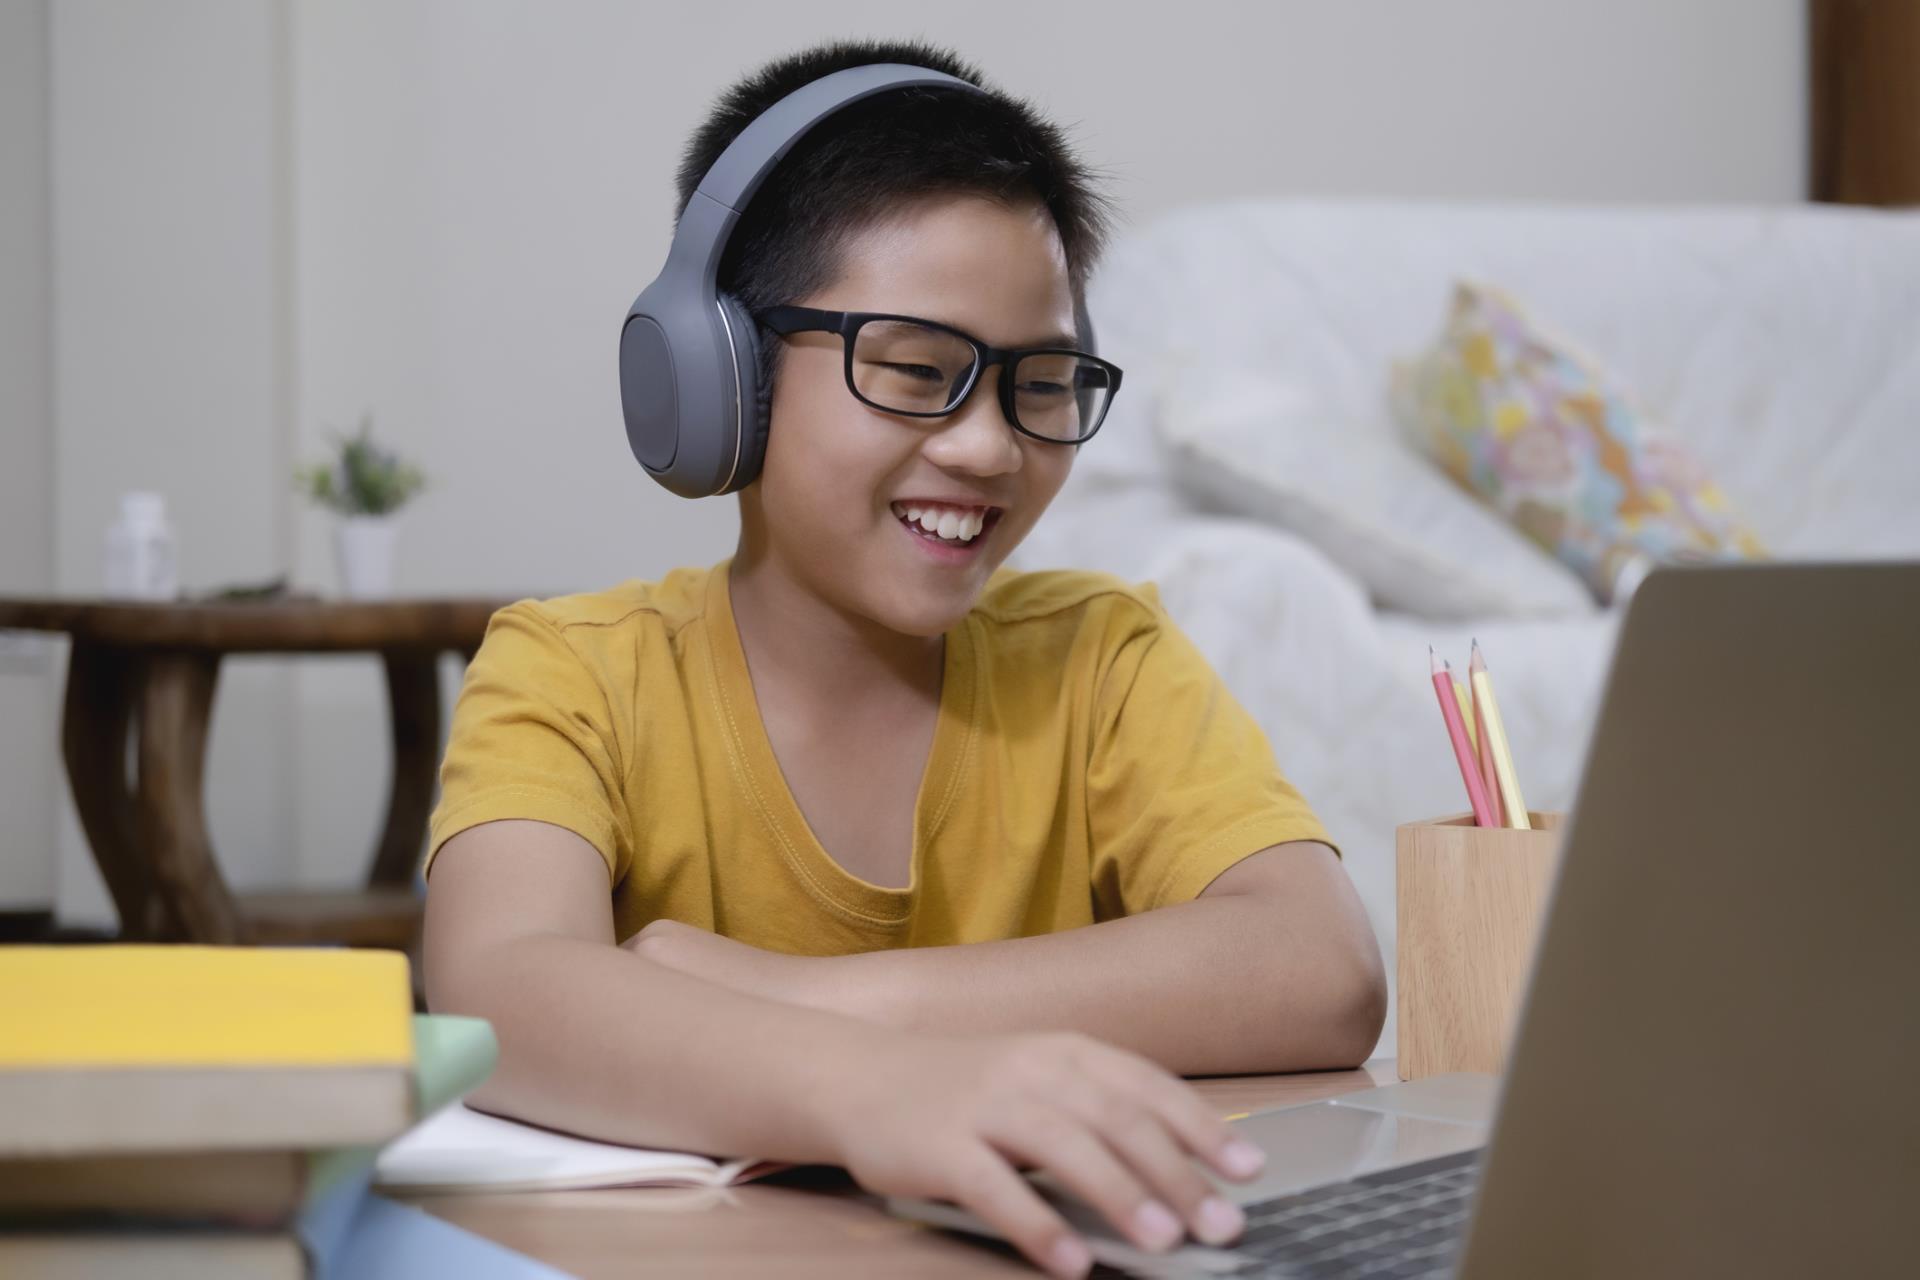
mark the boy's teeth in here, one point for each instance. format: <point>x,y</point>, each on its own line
<point>953,526</point>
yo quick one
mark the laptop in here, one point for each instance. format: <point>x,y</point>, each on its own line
<point>1713,1069</point>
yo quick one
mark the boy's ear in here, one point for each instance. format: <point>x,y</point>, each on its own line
<point>759,415</point>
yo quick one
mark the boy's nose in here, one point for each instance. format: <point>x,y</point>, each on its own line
<point>976,437</point>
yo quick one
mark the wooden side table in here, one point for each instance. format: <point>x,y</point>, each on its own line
<point>146,672</point>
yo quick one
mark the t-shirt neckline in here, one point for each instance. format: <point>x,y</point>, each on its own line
<point>758,770</point>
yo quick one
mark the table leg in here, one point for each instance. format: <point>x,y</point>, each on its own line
<point>101,685</point>
<point>174,707</point>
<point>413,694</point>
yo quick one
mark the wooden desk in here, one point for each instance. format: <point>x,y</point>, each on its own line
<point>146,672</point>
<point>809,1225</point>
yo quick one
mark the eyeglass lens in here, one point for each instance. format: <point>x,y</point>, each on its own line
<point>910,368</point>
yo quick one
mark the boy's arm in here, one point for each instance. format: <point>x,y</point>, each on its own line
<point>519,930</point>
<point>1272,968</point>
<point>599,1041</point>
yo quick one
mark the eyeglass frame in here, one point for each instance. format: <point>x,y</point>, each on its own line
<point>790,320</point>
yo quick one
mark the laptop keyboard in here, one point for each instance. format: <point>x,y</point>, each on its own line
<point>1397,1224</point>
<point>1393,1225</point>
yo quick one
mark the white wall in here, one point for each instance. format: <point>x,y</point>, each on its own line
<point>168,361</point>
<point>270,218</point>
<point>28,770</point>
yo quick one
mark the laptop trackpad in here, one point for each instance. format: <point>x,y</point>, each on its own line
<point>1324,1142</point>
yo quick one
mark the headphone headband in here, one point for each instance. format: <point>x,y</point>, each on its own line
<point>741,168</point>
<point>706,224</point>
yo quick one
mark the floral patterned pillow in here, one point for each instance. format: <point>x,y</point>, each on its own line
<point>1535,430</point>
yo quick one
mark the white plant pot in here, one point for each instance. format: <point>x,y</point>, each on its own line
<point>363,549</point>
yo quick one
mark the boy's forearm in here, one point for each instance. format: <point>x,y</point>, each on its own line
<point>1273,968</point>
<point>598,1041</point>
<point>1213,986</point>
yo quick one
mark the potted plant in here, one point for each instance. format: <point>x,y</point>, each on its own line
<point>365,485</point>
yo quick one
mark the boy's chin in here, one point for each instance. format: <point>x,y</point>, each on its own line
<point>916,616</point>
<point>920,608</point>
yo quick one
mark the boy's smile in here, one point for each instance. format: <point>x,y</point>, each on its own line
<point>946,528</point>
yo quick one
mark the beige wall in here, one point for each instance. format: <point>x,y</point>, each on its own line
<point>272,217</point>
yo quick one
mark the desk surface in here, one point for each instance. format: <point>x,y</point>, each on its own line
<point>811,1225</point>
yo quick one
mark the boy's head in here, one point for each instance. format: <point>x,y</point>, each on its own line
<point>959,208</point>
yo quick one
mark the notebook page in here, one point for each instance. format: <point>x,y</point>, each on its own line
<point>460,1149</point>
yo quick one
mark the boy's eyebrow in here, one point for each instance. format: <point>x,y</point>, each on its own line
<point>1071,340</point>
<point>1068,340</point>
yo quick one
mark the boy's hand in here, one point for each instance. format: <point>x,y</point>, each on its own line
<point>954,1117</point>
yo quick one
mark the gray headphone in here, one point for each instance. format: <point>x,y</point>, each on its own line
<point>690,385</point>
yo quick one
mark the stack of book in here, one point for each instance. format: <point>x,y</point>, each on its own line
<point>210,1111</point>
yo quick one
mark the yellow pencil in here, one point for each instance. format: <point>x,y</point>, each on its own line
<point>1510,799</point>
<point>1484,759</point>
<point>1466,713</point>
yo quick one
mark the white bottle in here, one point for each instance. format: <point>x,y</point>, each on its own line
<point>140,552</point>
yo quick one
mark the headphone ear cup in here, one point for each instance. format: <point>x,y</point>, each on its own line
<point>756,392</point>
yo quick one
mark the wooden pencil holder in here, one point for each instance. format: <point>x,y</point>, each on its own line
<point>1470,901</point>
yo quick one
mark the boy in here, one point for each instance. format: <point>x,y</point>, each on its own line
<point>850,849</point>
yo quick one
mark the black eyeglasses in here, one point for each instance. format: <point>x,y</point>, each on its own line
<point>924,369</point>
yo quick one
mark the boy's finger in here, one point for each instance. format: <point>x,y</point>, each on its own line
<point>1196,1125</point>
<point>1093,1171</point>
<point>985,1184</point>
<point>1142,1138</point>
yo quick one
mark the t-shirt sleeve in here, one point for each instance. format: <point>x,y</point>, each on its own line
<point>533,737</point>
<point>1182,782</point>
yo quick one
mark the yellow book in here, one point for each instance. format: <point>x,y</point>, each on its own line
<point>142,1048</point>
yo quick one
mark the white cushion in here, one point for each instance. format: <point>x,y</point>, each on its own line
<point>1254,446</point>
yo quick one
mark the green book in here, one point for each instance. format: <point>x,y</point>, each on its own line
<point>451,1056</point>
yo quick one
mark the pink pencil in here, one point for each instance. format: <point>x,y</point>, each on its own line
<point>1462,749</point>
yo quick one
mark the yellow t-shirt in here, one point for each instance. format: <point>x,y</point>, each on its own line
<point>1086,764</point>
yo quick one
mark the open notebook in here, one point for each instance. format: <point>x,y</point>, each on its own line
<point>460,1149</point>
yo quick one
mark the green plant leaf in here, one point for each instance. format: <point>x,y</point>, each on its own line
<point>364,479</point>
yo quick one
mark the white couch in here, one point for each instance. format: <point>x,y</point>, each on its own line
<point>1782,345</point>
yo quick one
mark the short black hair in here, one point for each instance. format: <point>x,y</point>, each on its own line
<point>854,167</point>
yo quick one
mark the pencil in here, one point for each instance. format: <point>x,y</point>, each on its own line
<point>1496,733</point>
<point>1466,716</point>
<point>1483,747</point>
<point>1457,734</point>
